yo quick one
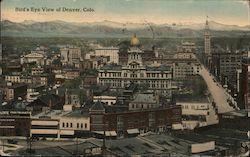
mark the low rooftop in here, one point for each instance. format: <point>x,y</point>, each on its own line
<point>158,68</point>
<point>51,113</point>
<point>144,97</point>
<point>240,113</point>
<point>111,67</point>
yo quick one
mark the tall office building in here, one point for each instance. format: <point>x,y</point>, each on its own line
<point>1,58</point>
<point>70,55</point>
<point>245,80</point>
<point>1,54</point>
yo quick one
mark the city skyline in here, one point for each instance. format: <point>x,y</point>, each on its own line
<point>229,12</point>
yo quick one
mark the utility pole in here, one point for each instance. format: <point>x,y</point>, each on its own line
<point>104,138</point>
<point>3,144</point>
<point>248,1</point>
<point>151,29</point>
<point>76,151</point>
<point>29,144</point>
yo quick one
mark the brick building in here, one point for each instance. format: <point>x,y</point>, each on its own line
<point>120,121</point>
<point>90,80</point>
<point>224,66</point>
<point>14,123</point>
<point>13,92</point>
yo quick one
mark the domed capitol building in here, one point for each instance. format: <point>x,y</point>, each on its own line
<point>155,77</point>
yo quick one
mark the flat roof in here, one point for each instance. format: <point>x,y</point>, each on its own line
<point>111,67</point>
<point>144,97</point>
<point>239,113</point>
<point>61,113</point>
<point>77,113</point>
<point>158,68</point>
<point>51,113</point>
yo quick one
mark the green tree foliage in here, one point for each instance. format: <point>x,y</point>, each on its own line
<point>73,84</point>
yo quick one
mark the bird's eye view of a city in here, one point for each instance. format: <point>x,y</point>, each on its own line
<point>125,78</point>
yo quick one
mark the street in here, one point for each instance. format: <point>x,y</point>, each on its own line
<point>218,93</point>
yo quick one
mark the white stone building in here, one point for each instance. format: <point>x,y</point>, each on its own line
<point>15,78</point>
<point>76,120</point>
<point>71,55</point>
<point>37,71</point>
<point>197,114</point>
<point>35,57</point>
<point>155,77</point>
<point>59,123</point>
<point>108,100</point>
<point>182,70</point>
<point>185,64</point>
<point>184,55</point>
<point>188,47</point>
<point>111,52</point>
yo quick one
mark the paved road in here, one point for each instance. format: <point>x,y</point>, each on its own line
<point>217,92</point>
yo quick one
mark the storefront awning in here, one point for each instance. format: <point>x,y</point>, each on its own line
<point>133,131</point>
<point>111,133</point>
<point>98,132</point>
<point>107,133</point>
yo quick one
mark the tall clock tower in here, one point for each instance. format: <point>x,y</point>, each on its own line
<point>207,39</point>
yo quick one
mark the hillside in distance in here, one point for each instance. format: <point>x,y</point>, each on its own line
<point>114,29</point>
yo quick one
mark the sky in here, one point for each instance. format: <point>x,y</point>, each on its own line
<point>231,12</point>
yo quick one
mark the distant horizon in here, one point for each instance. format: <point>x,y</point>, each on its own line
<point>184,23</point>
<point>227,12</point>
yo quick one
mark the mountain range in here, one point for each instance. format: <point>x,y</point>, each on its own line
<point>106,28</point>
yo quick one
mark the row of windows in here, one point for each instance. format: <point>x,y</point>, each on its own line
<point>156,75</point>
<point>102,74</point>
<point>134,56</point>
<point>112,84</point>
<point>149,75</point>
<point>158,86</point>
<point>134,66</point>
<point>119,82</point>
<point>143,106</point>
<point>18,79</point>
<point>78,125</point>
<point>183,70</point>
<point>194,107</point>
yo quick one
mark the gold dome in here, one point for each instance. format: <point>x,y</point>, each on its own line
<point>134,41</point>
